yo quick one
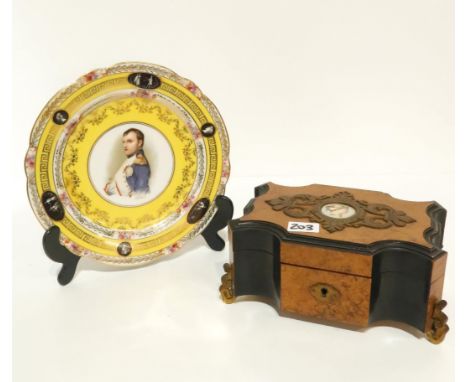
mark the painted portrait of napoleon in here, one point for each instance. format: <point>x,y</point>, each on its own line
<point>132,177</point>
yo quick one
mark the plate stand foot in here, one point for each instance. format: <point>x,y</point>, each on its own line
<point>58,253</point>
<point>222,216</point>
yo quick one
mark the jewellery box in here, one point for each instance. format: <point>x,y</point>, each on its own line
<point>340,255</point>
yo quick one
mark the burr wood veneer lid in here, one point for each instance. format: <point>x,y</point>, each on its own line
<point>347,214</point>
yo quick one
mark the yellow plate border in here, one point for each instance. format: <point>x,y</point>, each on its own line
<point>46,114</point>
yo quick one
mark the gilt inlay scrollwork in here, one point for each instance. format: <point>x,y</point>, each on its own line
<point>365,214</point>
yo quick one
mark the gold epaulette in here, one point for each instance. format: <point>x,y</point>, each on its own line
<point>140,159</point>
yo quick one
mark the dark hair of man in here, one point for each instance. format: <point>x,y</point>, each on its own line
<point>140,136</point>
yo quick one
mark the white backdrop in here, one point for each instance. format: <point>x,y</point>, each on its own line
<point>356,94</point>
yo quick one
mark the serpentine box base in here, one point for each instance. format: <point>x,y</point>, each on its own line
<point>338,255</point>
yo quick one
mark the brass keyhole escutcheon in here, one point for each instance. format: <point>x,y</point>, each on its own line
<point>324,292</point>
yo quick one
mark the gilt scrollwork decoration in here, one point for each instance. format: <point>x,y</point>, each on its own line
<point>227,284</point>
<point>363,213</point>
<point>439,327</point>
